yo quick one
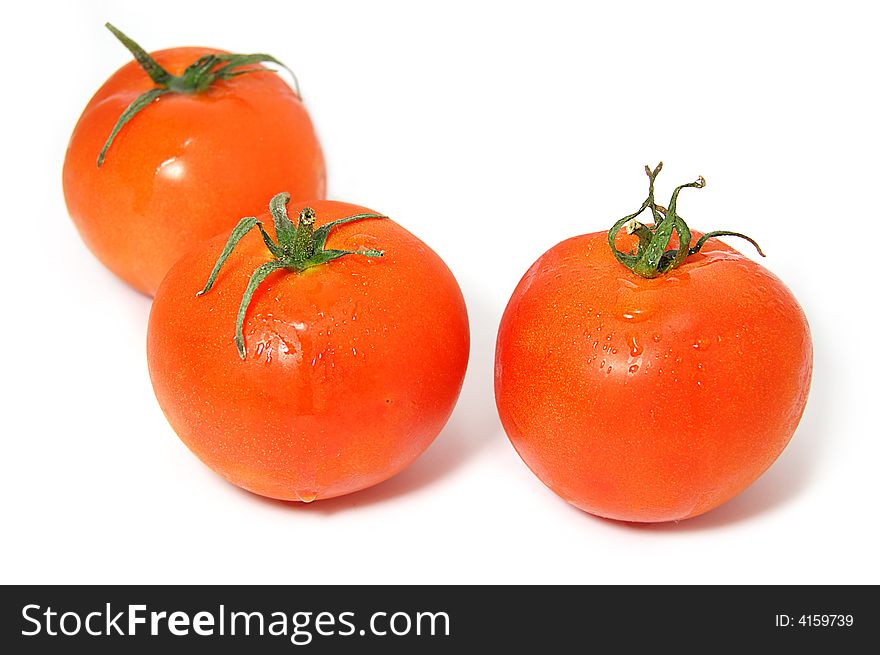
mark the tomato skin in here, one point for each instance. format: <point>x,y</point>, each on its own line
<point>352,367</point>
<point>186,167</point>
<point>649,400</point>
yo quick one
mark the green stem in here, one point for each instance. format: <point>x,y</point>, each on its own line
<point>198,77</point>
<point>303,246</point>
<point>297,248</point>
<point>642,231</point>
<point>652,257</point>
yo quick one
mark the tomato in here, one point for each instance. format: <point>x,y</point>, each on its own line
<point>656,398</point>
<point>188,164</point>
<point>347,367</point>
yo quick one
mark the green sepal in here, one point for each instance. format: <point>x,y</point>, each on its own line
<point>652,257</point>
<point>244,226</point>
<point>262,272</point>
<point>152,68</point>
<point>724,233</point>
<point>325,256</point>
<point>285,230</point>
<point>198,77</point>
<point>137,105</point>
<point>298,248</point>
<point>322,232</point>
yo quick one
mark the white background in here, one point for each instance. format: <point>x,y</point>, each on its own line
<point>492,131</point>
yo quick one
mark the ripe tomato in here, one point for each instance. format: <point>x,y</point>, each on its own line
<point>188,164</point>
<point>350,367</point>
<point>650,399</point>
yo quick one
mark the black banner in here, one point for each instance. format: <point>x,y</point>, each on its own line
<point>432,619</point>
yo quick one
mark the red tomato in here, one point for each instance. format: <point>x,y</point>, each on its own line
<point>351,367</point>
<point>650,399</point>
<point>185,167</point>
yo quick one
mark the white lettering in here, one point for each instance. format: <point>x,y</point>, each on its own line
<point>134,619</point>
<point>178,624</point>
<point>24,614</point>
<point>76,621</point>
<point>203,624</point>
<point>113,623</point>
<point>94,633</point>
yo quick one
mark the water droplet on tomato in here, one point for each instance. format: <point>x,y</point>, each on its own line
<point>634,368</point>
<point>635,315</point>
<point>306,496</point>
<point>361,241</point>
<point>657,337</point>
<point>634,348</point>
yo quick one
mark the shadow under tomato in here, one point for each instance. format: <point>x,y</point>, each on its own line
<point>473,425</point>
<point>787,477</point>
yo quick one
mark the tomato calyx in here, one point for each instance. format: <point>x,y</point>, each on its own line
<point>651,258</point>
<point>198,77</point>
<point>298,247</point>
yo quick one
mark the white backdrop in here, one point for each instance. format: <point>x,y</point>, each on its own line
<point>463,121</point>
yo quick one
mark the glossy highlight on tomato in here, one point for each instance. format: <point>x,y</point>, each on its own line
<point>187,166</point>
<point>351,367</point>
<point>650,399</point>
